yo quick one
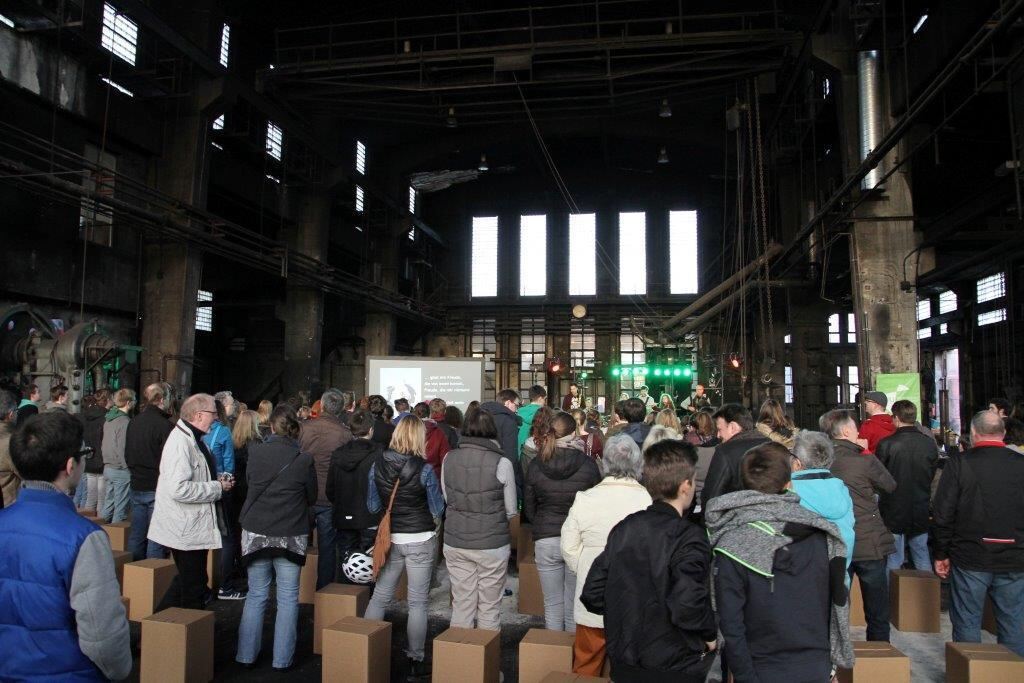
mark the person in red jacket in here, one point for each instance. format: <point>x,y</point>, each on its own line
<point>437,445</point>
<point>879,423</point>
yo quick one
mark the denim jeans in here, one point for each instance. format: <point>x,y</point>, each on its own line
<point>142,510</point>
<point>967,601</point>
<point>352,539</point>
<point>81,492</point>
<point>285,573</point>
<point>115,503</point>
<point>478,583</point>
<point>558,583</point>
<point>417,559</point>
<point>918,552</point>
<point>874,587</point>
<point>327,564</point>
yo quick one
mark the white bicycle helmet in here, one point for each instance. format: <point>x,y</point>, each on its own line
<point>358,567</point>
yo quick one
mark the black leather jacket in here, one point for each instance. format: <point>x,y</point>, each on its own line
<point>910,457</point>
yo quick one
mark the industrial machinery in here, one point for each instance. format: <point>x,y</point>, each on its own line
<point>34,349</point>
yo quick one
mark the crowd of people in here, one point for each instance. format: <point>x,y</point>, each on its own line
<point>658,541</point>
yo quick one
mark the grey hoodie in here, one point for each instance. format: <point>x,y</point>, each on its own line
<point>747,526</point>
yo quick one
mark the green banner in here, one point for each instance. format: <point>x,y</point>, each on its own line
<point>900,387</point>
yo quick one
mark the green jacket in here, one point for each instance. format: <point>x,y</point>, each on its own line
<point>526,412</point>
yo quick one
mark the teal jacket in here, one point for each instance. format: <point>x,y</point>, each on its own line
<point>822,492</point>
<point>526,412</point>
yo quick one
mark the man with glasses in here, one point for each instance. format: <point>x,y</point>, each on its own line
<point>62,612</point>
<point>507,423</point>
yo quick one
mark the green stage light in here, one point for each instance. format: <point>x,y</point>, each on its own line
<point>657,372</point>
<point>615,372</point>
<point>677,372</point>
<point>583,375</point>
<point>687,372</point>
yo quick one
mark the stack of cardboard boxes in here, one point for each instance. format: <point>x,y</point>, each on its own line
<point>145,584</point>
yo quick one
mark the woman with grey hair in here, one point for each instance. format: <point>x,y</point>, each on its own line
<point>585,532</point>
<point>660,433</point>
<point>819,490</point>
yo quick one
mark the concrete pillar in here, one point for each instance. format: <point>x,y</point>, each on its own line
<point>379,333</point>
<point>304,305</point>
<point>173,271</point>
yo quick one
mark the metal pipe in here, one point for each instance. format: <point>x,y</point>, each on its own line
<point>872,121</point>
<point>707,315</point>
<point>773,250</point>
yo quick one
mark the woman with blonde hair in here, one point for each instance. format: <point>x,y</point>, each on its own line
<point>773,422</point>
<point>263,411</point>
<point>659,433</point>
<point>415,511</point>
<point>668,418</point>
<point>245,433</point>
<point>115,467</point>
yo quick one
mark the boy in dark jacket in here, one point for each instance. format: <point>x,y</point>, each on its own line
<point>347,484</point>
<point>779,578</point>
<point>651,582</point>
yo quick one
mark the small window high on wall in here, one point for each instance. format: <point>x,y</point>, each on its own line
<point>533,263</point>
<point>632,253</point>
<point>682,227</point>
<point>484,258</point>
<point>360,158</point>
<point>924,311</point>
<point>225,45</point>
<point>582,245</point>
<point>204,314</point>
<point>275,140</point>
<point>120,34</point>
<point>991,287</point>
<point>412,200</point>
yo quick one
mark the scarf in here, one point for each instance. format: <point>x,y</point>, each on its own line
<point>747,526</point>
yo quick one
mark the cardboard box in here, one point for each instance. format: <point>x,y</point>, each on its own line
<point>857,617</point>
<point>876,661</point>
<point>524,546</point>
<point>307,578</point>
<point>145,584</point>
<point>914,600</point>
<point>357,651</point>
<point>988,618</point>
<point>542,652</point>
<point>982,663</point>
<point>118,533</point>
<point>177,646</point>
<point>333,602</point>
<point>561,677</point>
<point>126,603</point>
<point>531,597</point>
<point>467,655</point>
<point>121,558</point>
<point>213,577</point>
<point>513,532</point>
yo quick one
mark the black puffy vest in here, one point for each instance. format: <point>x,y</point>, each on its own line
<point>411,512</point>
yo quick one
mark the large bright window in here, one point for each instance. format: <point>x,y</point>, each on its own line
<point>275,140</point>
<point>991,287</point>
<point>204,314</point>
<point>225,45</point>
<point>484,344</point>
<point>682,228</point>
<point>947,301</point>
<point>852,380</point>
<point>360,157</point>
<point>582,264</point>
<point>631,352</point>
<point>485,256</point>
<point>533,262</point>
<point>632,253</point>
<point>120,34</point>
<point>996,316</point>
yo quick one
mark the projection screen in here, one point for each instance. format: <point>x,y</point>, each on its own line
<point>457,380</point>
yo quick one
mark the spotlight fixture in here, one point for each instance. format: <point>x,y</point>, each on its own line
<point>483,163</point>
<point>663,156</point>
<point>451,121</point>
<point>735,361</point>
<point>666,111</point>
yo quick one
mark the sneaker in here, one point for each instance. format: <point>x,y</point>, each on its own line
<point>418,670</point>
<point>230,595</point>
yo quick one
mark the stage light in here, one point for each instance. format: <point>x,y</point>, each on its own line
<point>687,372</point>
<point>657,372</point>
<point>677,372</point>
<point>583,375</point>
<point>615,372</point>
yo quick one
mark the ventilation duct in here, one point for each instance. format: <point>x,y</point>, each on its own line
<point>869,79</point>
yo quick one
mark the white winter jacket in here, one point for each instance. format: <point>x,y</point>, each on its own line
<point>184,513</point>
<point>585,532</point>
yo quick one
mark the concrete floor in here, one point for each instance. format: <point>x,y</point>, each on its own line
<point>926,651</point>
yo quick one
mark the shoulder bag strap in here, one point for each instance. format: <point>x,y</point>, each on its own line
<point>252,501</point>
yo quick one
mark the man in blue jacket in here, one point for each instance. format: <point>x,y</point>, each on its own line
<point>61,616</point>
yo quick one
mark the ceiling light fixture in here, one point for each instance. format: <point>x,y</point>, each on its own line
<point>483,163</point>
<point>663,156</point>
<point>451,121</point>
<point>665,111</point>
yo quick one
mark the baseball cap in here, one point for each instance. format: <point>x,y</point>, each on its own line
<point>878,397</point>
